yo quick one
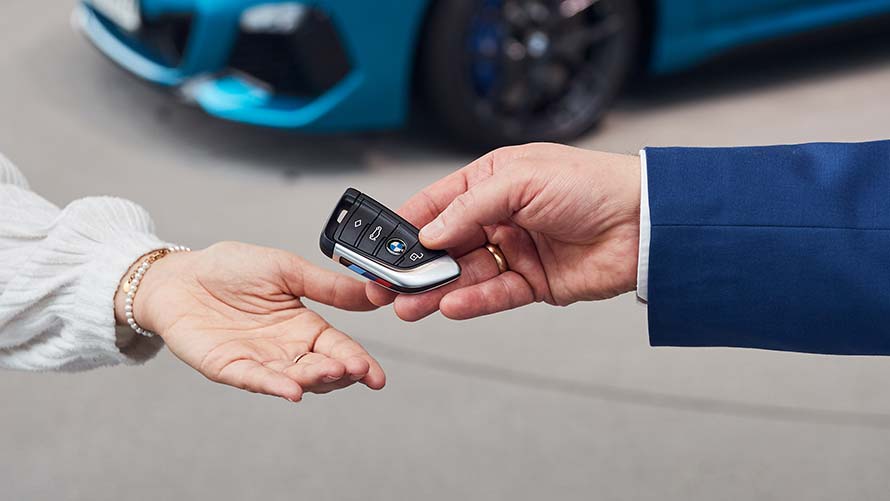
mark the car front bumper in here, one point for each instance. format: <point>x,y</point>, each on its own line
<point>378,39</point>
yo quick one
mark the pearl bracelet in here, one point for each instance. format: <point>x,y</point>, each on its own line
<point>132,284</point>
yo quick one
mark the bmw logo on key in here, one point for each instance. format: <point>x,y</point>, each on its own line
<point>396,247</point>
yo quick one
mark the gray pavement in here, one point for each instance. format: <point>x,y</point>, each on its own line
<point>530,404</point>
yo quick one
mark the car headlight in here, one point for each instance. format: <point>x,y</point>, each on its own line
<point>273,18</point>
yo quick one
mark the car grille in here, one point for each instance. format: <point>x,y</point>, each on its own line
<point>305,63</point>
<point>167,35</point>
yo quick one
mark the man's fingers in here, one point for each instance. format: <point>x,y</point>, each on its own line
<point>489,202</point>
<point>339,346</point>
<point>252,376</point>
<point>503,292</point>
<point>428,203</point>
<point>477,266</point>
<point>379,295</point>
<point>328,287</point>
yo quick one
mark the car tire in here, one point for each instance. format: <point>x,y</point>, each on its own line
<point>449,68</point>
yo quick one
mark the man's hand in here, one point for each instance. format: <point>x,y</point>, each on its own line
<point>566,219</point>
<point>233,313</point>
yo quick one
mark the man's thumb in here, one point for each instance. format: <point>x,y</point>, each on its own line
<point>486,203</point>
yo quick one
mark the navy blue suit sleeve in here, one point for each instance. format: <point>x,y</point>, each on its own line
<point>780,247</point>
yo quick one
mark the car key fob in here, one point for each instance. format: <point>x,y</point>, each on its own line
<point>376,243</point>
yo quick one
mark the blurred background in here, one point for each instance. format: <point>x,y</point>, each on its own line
<point>537,403</point>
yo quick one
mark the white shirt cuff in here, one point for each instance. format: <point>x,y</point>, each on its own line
<point>645,231</point>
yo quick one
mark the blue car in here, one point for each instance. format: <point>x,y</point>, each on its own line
<point>493,72</point>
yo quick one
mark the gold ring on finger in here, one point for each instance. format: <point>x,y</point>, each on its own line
<point>499,257</point>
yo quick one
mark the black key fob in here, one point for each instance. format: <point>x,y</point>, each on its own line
<point>376,243</point>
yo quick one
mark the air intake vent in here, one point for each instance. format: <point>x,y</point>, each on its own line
<point>304,63</point>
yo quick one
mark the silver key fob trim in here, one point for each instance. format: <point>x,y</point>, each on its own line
<point>437,272</point>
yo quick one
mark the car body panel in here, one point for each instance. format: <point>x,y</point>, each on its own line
<point>382,39</point>
<point>690,31</point>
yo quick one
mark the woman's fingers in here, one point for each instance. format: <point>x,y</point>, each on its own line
<point>325,286</point>
<point>360,365</point>
<point>314,370</point>
<point>317,373</point>
<point>356,370</point>
<point>253,376</point>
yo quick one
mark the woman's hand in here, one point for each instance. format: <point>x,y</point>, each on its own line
<point>233,313</point>
<point>566,219</point>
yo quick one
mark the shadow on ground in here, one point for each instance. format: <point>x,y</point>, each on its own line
<point>627,395</point>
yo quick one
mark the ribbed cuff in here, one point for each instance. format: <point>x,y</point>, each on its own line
<point>70,281</point>
<point>129,238</point>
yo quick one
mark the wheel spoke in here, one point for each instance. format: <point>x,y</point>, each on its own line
<point>571,8</point>
<point>515,15</point>
<point>540,62</point>
<point>510,89</point>
<point>579,40</point>
<point>551,78</point>
<point>514,97</point>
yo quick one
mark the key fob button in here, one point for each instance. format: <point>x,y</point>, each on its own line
<point>395,247</point>
<point>418,255</point>
<point>377,233</point>
<point>358,222</point>
<point>373,241</point>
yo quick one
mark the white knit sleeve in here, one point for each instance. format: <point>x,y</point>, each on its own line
<point>59,270</point>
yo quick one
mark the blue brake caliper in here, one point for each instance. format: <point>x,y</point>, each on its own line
<point>484,45</point>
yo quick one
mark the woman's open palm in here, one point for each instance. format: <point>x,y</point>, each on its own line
<point>234,313</point>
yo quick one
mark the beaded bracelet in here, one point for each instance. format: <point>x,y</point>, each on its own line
<point>132,284</point>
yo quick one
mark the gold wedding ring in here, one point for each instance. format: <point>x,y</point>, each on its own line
<point>499,258</point>
<point>298,357</point>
